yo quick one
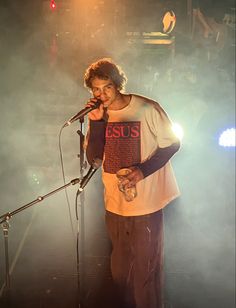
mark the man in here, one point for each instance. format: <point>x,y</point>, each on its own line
<point>134,132</point>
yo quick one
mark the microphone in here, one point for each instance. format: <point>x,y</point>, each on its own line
<point>82,113</point>
<point>95,165</point>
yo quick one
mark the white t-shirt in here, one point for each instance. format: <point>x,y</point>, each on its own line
<point>132,135</point>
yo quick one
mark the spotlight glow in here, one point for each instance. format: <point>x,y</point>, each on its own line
<point>178,130</point>
<point>227,138</point>
<point>53,5</point>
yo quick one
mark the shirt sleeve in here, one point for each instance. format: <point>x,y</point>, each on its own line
<point>167,142</point>
<point>95,140</point>
<point>161,126</point>
<point>159,158</point>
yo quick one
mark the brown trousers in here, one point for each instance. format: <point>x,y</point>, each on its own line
<point>137,258</point>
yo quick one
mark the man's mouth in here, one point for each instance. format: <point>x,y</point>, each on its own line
<point>105,102</point>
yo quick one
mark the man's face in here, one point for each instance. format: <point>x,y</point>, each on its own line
<point>105,90</point>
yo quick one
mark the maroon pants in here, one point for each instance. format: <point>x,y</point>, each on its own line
<point>137,258</point>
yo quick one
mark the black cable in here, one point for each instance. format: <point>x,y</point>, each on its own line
<point>63,176</point>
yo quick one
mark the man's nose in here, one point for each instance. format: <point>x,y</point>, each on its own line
<point>102,93</point>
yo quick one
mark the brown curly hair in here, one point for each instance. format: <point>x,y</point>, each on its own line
<point>105,69</point>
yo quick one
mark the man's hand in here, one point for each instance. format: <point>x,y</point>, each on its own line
<point>96,114</point>
<point>133,177</point>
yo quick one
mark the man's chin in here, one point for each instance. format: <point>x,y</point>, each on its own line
<point>106,104</point>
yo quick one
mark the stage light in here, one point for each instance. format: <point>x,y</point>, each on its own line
<point>227,138</point>
<point>178,130</point>
<point>53,5</point>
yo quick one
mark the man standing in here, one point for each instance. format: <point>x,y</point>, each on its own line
<point>132,132</point>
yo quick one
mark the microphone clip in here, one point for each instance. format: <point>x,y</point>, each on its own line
<point>84,181</point>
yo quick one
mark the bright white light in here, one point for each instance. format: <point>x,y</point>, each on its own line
<point>227,138</point>
<point>178,130</point>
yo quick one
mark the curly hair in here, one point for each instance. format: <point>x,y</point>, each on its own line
<point>105,69</point>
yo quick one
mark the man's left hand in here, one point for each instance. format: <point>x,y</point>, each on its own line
<point>133,177</point>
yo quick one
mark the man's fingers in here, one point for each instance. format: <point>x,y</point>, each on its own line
<point>133,178</point>
<point>92,102</point>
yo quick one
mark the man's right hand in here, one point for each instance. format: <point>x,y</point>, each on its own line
<point>95,114</point>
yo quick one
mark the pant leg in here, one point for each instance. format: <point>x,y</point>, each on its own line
<point>137,258</point>
<point>147,272</point>
<point>119,229</point>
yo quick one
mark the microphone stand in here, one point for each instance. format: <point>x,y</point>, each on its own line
<point>80,220</point>
<point>4,222</point>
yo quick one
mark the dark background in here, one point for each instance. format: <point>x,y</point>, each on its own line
<point>43,55</point>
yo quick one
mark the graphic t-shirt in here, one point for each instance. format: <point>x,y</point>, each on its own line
<point>123,139</point>
<point>132,135</point>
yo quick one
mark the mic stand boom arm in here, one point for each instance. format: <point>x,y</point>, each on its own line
<point>8,215</point>
<point>4,221</point>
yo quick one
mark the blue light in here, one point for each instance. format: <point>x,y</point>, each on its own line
<point>227,138</point>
